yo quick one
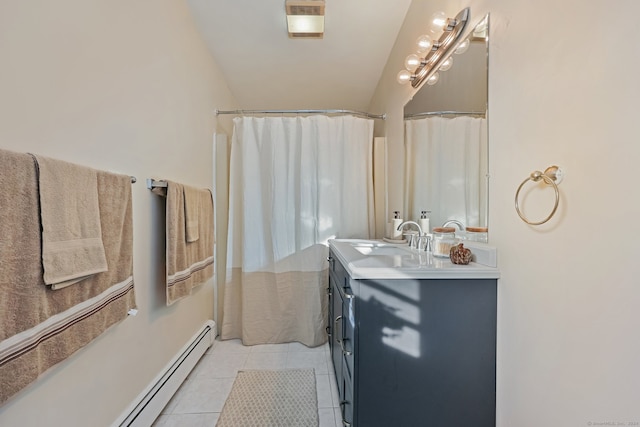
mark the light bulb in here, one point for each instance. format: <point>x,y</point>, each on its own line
<point>433,79</point>
<point>424,43</point>
<point>446,64</point>
<point>404,76</point>
<point>462,47</point>
<point>438,22</point>
<point>412,61</point>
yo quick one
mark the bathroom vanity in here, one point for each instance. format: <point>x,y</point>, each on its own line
<point>412,337</point>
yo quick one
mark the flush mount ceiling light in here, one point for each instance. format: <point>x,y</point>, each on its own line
<point>432,48</point>
<point>305,18</point>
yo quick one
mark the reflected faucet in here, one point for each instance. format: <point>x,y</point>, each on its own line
<point>454,222</point>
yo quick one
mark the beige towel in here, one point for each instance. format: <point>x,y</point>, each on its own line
<point>189,264</point>
<point>72,248</point>
<point>41,327</point>
<point>191,212</point>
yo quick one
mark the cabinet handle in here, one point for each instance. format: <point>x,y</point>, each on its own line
<point>335,328</point>
<point>344,350</point>
<point>343,403</point>
<point>331,261</point>
<point>340,341</point>
<point>327,329</point>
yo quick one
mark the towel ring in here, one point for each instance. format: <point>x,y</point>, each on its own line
<point>553,176</point>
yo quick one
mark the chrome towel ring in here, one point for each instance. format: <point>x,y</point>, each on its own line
<point>553,176</point>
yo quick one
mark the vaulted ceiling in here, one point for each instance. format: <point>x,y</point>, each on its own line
<point>265,69</point>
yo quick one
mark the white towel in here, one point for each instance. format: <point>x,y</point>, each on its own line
<point>72,247</point>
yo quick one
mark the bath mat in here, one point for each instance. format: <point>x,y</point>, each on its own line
<point>283,398</point>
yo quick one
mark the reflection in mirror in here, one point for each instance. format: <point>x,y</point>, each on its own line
<point>446,141</point>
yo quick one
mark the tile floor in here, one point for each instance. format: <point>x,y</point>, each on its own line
<point>200,399</point>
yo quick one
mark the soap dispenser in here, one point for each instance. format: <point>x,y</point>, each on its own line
<point>424,222</point>
<point>395,223</point>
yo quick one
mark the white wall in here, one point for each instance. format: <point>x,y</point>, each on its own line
<point>125,86</point>
<point>563,89</point>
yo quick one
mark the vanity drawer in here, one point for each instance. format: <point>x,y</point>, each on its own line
<point>336,267</point>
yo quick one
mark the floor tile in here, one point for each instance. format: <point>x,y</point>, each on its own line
<point>203,395</point>
<point>219,365</point>
<point>300,360</point>
<point>323,387</point>
<point>326,417</point>
<point>269,348</point>
<point>266,361</point>
<point>299,347</point>
<point>228,346</point>
<point>187,420</point>
<point>338,416</point>
<point>334,389</point>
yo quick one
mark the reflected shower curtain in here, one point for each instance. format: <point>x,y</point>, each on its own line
<point>294,183</point>
<point>446,169</point>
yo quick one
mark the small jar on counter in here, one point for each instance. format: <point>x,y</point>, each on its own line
<point>477,234</point>
<point>444,238</point>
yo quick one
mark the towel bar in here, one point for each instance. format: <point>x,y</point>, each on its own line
<point>552,176</point>
<point>152,183</point>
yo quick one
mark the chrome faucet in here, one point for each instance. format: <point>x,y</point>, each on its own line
<point>415,240</point>
<point>454,222</point>
<point>401,226</point>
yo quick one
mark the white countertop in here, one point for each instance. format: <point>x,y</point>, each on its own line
<point>375,259</point>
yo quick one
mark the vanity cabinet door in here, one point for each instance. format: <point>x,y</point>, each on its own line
<point>426,353</point>
<point>335,327</point>
<point>347,402</point>
<point>330,317</point>
<point>343,337</point>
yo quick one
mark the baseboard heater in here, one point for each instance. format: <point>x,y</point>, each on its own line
<point>146,408</point>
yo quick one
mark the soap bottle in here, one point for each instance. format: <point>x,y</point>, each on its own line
<point>395,223</point>
<point>424,222</point>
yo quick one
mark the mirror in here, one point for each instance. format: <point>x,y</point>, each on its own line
<point>446,140</point>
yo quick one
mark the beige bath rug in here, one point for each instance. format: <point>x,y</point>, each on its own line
<point>284,398</point>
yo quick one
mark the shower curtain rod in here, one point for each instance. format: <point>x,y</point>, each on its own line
<point>445,113</point>
<point>355,113</point>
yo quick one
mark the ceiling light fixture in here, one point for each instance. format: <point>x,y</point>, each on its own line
<point>305,18</point>
<point>433,49</point>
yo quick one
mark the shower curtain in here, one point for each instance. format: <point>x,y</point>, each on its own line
<point>294,183</point>
<point>446,169</point>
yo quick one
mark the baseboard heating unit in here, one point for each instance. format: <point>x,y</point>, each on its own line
<point>149,404</point>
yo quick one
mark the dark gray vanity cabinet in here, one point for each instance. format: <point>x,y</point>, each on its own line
<point>341,331</point>
<point>413,352</point>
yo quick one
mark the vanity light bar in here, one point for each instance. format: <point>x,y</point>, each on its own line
<point>441,47</point>
<point>436,50</point>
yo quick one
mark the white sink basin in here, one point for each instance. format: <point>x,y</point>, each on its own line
<point>379,249</point>
<point>374,259</point>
